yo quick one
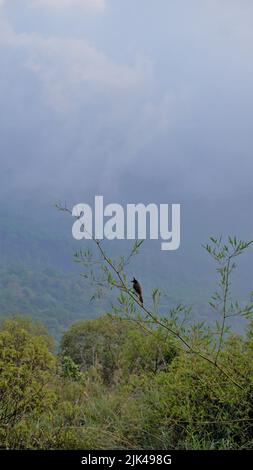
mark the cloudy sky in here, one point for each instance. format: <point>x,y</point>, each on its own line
<point>147,100</point>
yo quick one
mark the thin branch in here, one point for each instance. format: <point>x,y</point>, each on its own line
<point>176,334</point>
<point>224,308</point>
<point>158,322</point>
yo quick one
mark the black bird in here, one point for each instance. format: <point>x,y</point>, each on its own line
<point>138,289</point>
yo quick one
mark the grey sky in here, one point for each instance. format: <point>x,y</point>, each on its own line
<point>147,100</point>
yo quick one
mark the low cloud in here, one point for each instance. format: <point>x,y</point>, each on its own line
<point>71,70</point>
<point>93,110</point>
<point>85,4</point>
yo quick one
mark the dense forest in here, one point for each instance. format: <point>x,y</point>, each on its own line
<point>57,298</point>
<point>39,278</point>
<point>133,378</point>
<point>115,386</point>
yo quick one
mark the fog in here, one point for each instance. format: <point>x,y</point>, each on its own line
<point>147,101</point>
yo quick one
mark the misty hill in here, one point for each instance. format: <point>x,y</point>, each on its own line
<point>56,298</point>
<point>38,276</point>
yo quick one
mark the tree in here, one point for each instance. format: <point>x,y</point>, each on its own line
<point>114,346</point>
<point>26,370</point>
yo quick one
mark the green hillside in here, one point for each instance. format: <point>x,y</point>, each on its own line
<point>38,276</point>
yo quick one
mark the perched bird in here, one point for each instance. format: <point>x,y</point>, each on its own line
<point>138,289</point>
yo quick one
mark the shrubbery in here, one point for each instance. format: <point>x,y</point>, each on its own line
<point>141,393</point>
<point>134,379</point>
